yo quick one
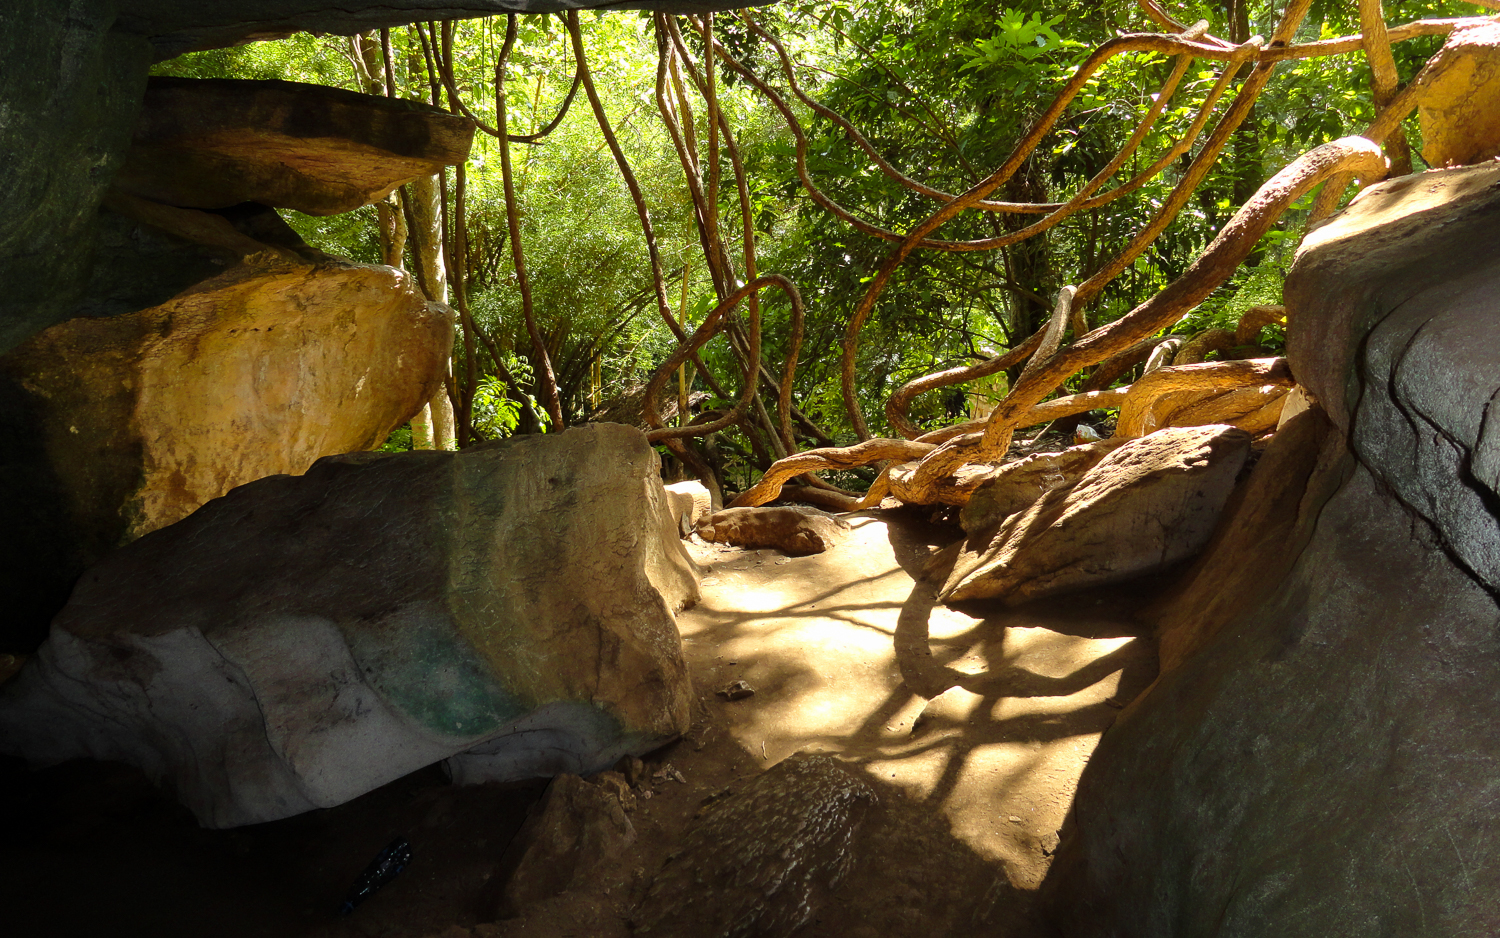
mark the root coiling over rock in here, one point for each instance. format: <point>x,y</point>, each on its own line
<point>1138,416</point>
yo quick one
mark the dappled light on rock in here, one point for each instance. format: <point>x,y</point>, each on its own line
<point>1145,506</point>
<point>985,718</point>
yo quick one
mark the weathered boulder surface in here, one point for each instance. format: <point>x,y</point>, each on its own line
<point>71,87</point>
<point>1017,485</point>
<point>215,143</point>
<point>1328,766</point>
<point>1323,756</point>
<point>796,530</point>
<point>119,425</point>
<point>1405,354</point>
<point>1147,505</point>
<point>756,858</point>
<point>575,839</point>
<point>305,639</point>
<point>690,503</point>
<point>1459,103</point>
<point>1263,528</point>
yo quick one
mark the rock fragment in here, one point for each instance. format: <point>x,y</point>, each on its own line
<point>215,143</point>
<point>794,530</point>
<point>755,858</point>
<point>1146,506</point>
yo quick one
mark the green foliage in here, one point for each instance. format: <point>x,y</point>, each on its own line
<point>318,60</point>
<point>942,88</point>
<point>496,414</point>
<point>399,441</point>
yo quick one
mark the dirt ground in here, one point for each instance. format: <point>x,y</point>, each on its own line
<point>972,726</point>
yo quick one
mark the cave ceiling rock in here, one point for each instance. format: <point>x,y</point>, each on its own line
<point>178,26</point>
<point>72,88</point>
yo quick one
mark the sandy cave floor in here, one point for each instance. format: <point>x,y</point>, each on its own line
<point>972,726</point>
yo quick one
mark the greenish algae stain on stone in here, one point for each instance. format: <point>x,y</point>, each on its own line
<point>495,604</point>
<point>418,660</point>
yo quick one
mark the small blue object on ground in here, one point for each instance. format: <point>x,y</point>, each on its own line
<point>386,867</point>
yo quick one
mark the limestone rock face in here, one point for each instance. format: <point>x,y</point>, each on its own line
<point>1322,758</point>
<point>1459,104</point>
<point>120,425</point>
<point>305,639</point>
<point>1405,354</point>
<point>215,143</point>
<point>71,87</point>
<point>575,839</point>
<point>691,503</point>
<point>756,858</point>
<point>1328,766</point>
<point>1147,505</point>
<point>1262,529</point>
<point>794,530</point>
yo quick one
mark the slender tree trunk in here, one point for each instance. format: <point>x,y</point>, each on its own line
<point>433,427</point>
<point>392,231</point>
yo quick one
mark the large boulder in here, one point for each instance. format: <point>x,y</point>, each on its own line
<point>1402,345</point>
<point>1459,102</point>
<point>304,639</point>
<point>253,364</point>
<point>1263,528</point>
<point>1144,507</point>
<point>1328,766</point>
<point>760,857</point>
<point>1322,758</point>
<point>797,530</point>
<point>217,143</point>
<point>1015,486</point>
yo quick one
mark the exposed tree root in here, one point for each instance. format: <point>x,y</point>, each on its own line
<point>898,405</point>
<point>815,460</point>
<point>1137,418</point>
<point>1218,261</point>
<point>1200,346</point>
<point>1255,319</point>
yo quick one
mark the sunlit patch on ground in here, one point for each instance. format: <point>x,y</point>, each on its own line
<point>987,715</point>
